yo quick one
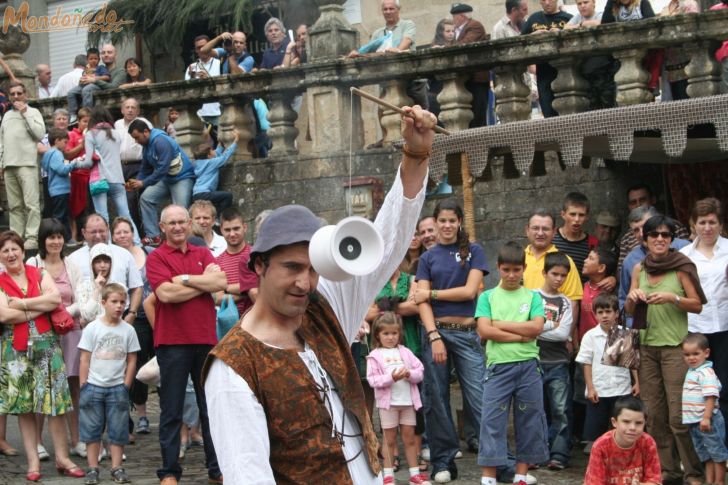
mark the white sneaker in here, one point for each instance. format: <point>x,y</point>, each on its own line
<point>458,455</point>
<point>425,454</point>
<point>182,450</point>
<point>30,245</point>
<point>443,476</point>
<point>42,453</point>
<point>103,454</point>
<point>79,449</point>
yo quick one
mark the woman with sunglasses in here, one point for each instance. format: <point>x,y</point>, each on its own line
<point>665,288</point>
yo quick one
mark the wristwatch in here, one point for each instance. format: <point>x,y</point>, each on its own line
<point>185,279</point>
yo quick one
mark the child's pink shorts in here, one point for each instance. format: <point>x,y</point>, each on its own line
<point>396,415</point>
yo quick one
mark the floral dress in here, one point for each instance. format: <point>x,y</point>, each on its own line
<point>33,381</point>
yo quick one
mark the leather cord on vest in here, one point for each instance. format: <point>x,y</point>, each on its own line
<point>326,389</point>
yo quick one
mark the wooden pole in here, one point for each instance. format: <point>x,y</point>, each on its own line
<point>468,206</point>
<point>380,102</point>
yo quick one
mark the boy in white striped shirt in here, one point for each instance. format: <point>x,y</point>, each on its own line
<point>699,410</point>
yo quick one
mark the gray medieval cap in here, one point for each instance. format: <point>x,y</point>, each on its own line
<point>460,8</point>
<point>286,225</point>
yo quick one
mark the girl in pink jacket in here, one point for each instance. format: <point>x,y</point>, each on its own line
<point>393,372</point>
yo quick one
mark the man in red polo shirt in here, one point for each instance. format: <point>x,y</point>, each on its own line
<point>242,282</point>
<point>182,276</point>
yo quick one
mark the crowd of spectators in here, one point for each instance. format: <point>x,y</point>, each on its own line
<point>127,161</point>
<point>174,285</point>
<point>666,66</point>
<point>227,53</point>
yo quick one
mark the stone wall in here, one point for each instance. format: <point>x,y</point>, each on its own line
<point>502,200</point>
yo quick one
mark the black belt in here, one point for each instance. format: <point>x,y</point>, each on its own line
<point>131,162</point>
<point>463,327</point>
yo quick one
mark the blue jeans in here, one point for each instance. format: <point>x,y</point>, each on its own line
<point>520,384</point>
<point>598,416</point>
<point>220,199</point>
<point>463,348</point>
<point>86,93</point>
<point>152,197</point>
<point>557,389</point>
<point>710,445</point>
<point>59,210</point>
<point>104,407</point>
<point>117,192</point>
<point>176,363</point>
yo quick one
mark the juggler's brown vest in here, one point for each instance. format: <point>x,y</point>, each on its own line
<point>302,450</point>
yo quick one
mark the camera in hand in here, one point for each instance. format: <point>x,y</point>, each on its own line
<point>227,44</point>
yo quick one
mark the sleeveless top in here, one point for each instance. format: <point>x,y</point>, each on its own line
<point>39,324</point>
<point>667,325</point>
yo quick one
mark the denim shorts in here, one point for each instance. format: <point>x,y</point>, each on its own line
<point>520,384</point>
<point>104,407</point>
<point>710,445</point>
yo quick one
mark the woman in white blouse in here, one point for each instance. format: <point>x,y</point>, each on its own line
<point>709,252</point>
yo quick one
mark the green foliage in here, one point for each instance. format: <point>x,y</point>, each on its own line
<point>163,23</point>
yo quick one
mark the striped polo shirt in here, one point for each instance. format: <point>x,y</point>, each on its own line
<point>700,383</point>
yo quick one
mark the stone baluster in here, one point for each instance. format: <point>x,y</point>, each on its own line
<point>14,41</point>
<point>395,92</point>
<point>703,70</point>
<point>331,36</point>
<point>329,105</point>
<point>632,78</point>
<point>455,102</point>
<point>331,110</point>
<point>282,117</point>
<point>456,113</point>
<point>570,89</point>
<point>237,113</point>
<point>512,102</point>
<point>189,127</point>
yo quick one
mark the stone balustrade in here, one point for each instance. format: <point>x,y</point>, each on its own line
<point>324,82</point>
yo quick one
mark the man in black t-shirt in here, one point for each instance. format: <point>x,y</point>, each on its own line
<point>550,19</point>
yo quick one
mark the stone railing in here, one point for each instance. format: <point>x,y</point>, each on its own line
<point>325,81</point>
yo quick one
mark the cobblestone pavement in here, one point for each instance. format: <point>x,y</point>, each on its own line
<point>143,458</point>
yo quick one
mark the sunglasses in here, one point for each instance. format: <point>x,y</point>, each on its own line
<point>662,234</point>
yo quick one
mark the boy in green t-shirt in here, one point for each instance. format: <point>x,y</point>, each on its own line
<point>510,317</point>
